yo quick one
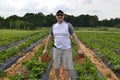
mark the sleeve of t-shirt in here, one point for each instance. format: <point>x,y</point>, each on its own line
<point>51,30</point>
<point>71,29</point>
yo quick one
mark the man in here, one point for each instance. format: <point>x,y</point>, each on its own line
<point>62,52</point>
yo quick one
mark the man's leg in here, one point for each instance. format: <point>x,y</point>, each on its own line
<point>57,62</point>
<point>68,63</point>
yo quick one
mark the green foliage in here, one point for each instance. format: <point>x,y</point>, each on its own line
<point>117,26</point>
<point>87,71</point>
<point>16,77</point>
<point>36,20</point>
<point>13,50</point>
<point>2,74</point>
<point>10,36</point>
<point>35,68</point>
<point>104,45</point>
<point>103,29</point>
<point>94,40</point>
<point>19,24</point>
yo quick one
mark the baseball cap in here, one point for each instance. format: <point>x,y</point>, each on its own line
<point>59,11</point>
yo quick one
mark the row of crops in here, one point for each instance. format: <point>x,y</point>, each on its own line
<point>34,67</point>
<point>10,55</point>
<point>106,46</point>
<point>86,71</point>
<point>5,54</point>
<point>10,36</point>
<point>37,69</point>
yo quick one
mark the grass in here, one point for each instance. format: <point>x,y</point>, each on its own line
<point>100,28</point>
<point>9,36</point>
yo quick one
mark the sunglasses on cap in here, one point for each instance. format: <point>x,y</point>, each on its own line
<point>59,14</point>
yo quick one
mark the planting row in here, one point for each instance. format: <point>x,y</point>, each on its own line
<point>36,69</point>
<point>86,71</point>
<point>5,54</point>
<point>102,49</point>
<point>10,36</point>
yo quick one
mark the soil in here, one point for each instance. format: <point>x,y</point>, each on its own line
<point>52,73</point>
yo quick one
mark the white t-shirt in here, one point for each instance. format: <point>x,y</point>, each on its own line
<point>61,33</point>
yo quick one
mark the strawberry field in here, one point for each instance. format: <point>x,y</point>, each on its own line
<point>101,50</point>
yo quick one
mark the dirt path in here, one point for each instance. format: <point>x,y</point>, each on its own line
<point>52,73</point>
<point>99,64</point>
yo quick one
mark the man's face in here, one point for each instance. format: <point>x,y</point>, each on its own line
<point>60,17</point>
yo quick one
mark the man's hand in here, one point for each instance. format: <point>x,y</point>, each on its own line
<point>80,54</point>
<point>80,51</point>
<point>44,51</point>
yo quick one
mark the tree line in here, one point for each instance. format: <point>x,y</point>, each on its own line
<point>38,20</point>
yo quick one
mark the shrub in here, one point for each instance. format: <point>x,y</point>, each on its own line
<point>117,26</point>
<point>103,29</point>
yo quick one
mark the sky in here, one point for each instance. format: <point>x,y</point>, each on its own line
<point>104,9</point>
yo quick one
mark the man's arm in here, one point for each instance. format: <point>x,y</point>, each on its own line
<point>76,40</point>
<point>49,38</point>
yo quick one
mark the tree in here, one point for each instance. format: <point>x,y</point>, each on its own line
<point>49,20</point>
<point>37,20</point>
<point>93,21</point>
<point>1,21</point>
<point>71,19</point>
